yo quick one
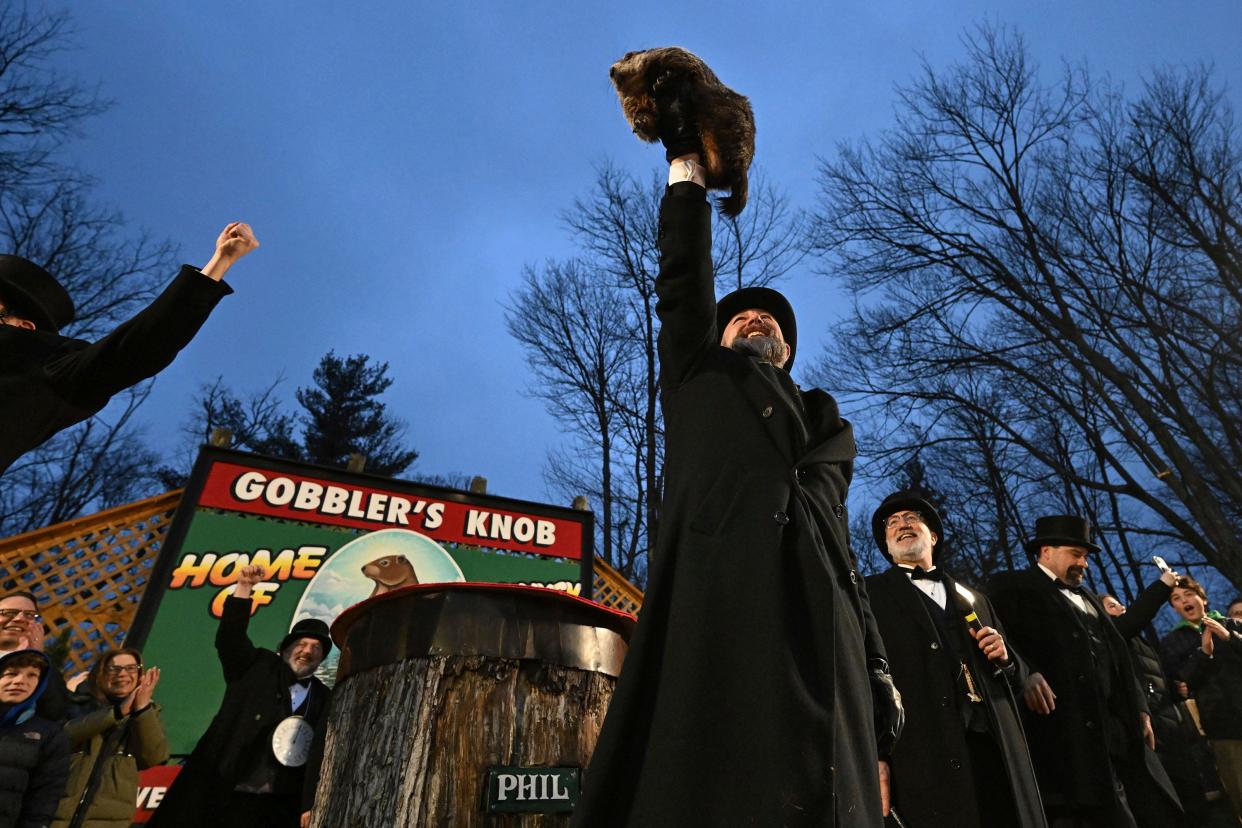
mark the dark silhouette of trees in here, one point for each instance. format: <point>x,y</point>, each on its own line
<point>343,415</point>
<point>48,215</point>
<point>589,329</point>
<point>1047,280</point>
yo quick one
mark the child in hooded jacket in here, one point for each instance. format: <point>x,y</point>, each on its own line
<point>34,752</point>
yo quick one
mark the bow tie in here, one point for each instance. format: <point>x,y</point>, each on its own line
<point>304,683</point>
<point>1077,590</point>
<point>920,573</point>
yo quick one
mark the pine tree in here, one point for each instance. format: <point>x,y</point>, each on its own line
<point>343,416</point>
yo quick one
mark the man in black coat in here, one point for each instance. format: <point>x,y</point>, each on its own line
<point>1086,719</point>
<point>962,759</point>
<point>248,769</point>
<point>1179,746</point>
<point>755,683</point>
<point>49,382</point>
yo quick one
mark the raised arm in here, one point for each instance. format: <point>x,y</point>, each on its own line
<point>233,645</point>
<point>686,284</point>
<point>1145,606</point>
<point>146,344</point>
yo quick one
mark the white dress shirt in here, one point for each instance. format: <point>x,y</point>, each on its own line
<point>1071,596</point>
<point>933,589</point>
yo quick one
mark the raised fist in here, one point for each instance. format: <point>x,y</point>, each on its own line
<point>235,241</point>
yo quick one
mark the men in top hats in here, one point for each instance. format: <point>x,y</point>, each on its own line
<point>248,769</point>
<point>1086,718</point>
<point>962,759</point>
<point>755,687</point>
<point>48,382</point>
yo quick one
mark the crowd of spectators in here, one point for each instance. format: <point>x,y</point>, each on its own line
<point>71,752</point>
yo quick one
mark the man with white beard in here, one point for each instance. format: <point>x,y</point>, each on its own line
<point>250,769</point>
<point>963,758</point>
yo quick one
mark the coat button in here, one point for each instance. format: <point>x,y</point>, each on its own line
<point>781,518</point>
<point>801,473</point>
<point>767,412</point>
<point>955,764</point>
<point>838,510</point>
<point>935,646</point>
<point>258,716</point>
<point>1089,725</point>
<point>944,701</point>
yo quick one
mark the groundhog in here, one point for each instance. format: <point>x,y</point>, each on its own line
<point>389,572</point>
<point>724,118</point>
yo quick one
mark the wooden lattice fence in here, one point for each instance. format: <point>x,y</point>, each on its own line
<point>612,590</point>
<point>89,574</point>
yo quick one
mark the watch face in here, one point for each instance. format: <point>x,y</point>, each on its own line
<point>291,741</point>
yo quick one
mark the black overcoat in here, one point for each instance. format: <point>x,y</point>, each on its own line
<point>930,784</point>
<point>1069,746</point>
<point>49,382</point>
<point>745,697</point>
<point>256,699</point>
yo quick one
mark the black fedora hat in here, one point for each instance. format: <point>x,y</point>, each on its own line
<point>308,628</point>
<point>764,299</point>
<point>906,500</point>
<point>34,293</point>
<point>1061,530</point>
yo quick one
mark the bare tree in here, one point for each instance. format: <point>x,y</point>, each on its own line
<point>1047,278</point>
<point>47,214</point>
<point>589,328</point>
<point>38,108</point>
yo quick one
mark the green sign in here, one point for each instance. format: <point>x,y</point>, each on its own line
<point>531,790</point>
<point>327,540</point>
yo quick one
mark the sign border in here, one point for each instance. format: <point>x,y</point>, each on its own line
<point>208,456</point>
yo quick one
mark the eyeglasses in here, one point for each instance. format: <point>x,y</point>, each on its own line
<point>117,669</point>
<point>26,615</point>
<point>902,519</point>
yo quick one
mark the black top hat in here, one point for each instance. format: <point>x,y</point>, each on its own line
<point>308,628</point>
<point>764,299</point>
<point>906,500</point>
<point>1061,530</point>
<point>34,293</point>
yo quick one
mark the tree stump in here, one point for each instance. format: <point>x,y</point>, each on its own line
<point>438,683</point>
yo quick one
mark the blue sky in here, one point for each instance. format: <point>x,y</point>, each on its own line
<point>401,162</point>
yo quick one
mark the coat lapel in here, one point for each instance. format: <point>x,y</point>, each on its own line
<point>1058,604</point>
<point>783,425</point>
<point>908,603</point>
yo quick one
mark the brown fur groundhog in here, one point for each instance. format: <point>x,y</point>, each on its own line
<point>724,118</point>
<point>389,572</point>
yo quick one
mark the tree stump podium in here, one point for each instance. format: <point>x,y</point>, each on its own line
<point>440,684</point>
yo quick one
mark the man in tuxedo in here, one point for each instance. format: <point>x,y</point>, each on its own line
<point>962,759</point>
<point>1086,718</point>
<point>238,774</point>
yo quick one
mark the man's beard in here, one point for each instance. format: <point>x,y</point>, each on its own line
<point>914,553</point>
<point>301,671</point>
<point>1074,575</point>
<point>765,347</point>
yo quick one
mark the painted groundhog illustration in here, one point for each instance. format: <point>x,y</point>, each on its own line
<point>390,572</point>
<point>724,118</point>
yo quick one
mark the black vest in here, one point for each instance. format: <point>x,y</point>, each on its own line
<point>954,650</point>
<point>265,774</point>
